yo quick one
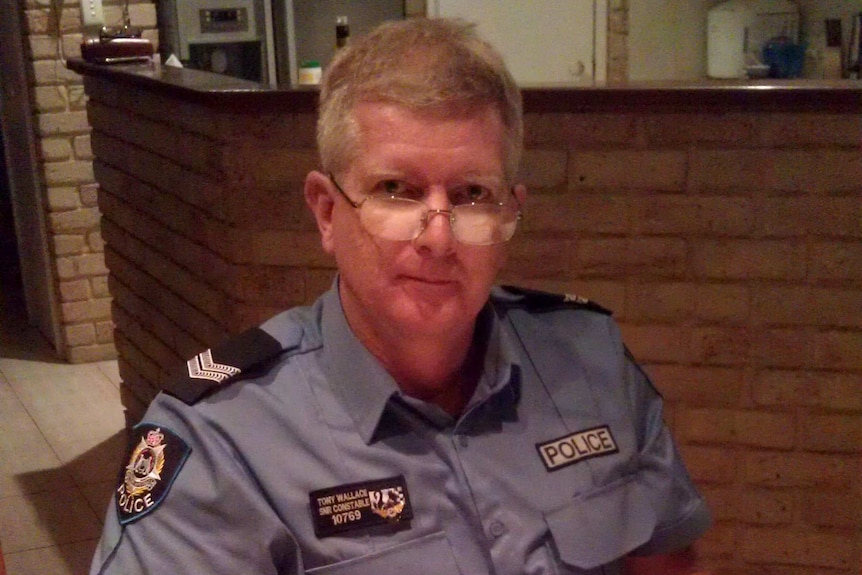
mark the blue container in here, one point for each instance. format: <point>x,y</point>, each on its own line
<point>784,58</point>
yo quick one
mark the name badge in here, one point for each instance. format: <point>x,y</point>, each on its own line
<point>578,446</point>
<point>360,505</point>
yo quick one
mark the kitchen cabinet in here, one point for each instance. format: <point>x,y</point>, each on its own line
<point>544,41</point>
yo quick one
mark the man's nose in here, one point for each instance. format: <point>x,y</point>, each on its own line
<point>437,233</point>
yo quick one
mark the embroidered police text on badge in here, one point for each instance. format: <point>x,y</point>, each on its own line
<point>152,468</point>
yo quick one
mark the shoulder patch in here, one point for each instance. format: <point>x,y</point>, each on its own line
<point>539,301</point>
<point>154,463</point>
<point>212,369</point>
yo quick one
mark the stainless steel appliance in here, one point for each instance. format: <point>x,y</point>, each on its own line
<point>231,37</point>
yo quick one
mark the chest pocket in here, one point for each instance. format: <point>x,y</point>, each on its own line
<point>430,555</point>
<point>602,526</point>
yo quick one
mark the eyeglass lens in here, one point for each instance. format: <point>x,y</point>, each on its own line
<point>399,219</point>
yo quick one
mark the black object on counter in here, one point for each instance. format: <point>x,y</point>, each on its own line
<point>342,32</point>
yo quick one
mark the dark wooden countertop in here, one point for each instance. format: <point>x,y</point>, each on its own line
<point>840,96</point>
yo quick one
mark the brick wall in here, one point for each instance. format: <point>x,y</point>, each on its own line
<point>206,229</point>
<point>53,34</point>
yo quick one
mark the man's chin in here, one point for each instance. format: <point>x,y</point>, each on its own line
<point>442,316</point>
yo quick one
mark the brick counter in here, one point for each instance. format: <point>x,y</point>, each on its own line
<point>721,222</point>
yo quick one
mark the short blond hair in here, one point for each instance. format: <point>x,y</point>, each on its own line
<point>427,65</point>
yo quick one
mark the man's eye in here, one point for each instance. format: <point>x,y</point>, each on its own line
<point>472,193</point>
<point>398,188</point>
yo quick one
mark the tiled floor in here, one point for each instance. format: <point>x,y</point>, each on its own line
<point>61,444</point>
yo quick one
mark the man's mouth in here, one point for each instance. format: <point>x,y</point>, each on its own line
<point>430,280</point>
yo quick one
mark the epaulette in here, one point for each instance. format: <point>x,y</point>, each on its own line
<point>214,368</point>
<point>541,301</point>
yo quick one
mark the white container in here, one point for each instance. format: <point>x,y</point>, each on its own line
<point>726,27</point>
<point>310,73</point>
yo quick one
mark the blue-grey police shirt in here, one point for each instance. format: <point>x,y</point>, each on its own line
<point>560,463</point>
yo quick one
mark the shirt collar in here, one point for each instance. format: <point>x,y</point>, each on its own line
<point>365,388</point>
<point>357,377</point>
<point>500,358</point>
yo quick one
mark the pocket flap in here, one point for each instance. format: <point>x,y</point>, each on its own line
<point>600,527</point>
<point>428,554</point>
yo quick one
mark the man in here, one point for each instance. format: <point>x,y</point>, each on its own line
<point>414,419</point>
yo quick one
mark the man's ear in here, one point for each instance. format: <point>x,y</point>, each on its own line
<point>321,204</point>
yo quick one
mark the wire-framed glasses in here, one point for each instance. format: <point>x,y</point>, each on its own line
<point>478,217</point>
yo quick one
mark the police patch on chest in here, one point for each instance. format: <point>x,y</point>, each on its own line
<point>360,505</point>
<point>153,465</point>
<point>577,446</point>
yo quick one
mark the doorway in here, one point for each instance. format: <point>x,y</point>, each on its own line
<point>26,260</point>
<point>11,290</point>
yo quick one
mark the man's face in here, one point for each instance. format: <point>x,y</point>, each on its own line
<point>433,285</point>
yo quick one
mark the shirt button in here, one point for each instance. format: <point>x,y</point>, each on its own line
<point>463,441</point>
<point>498,528</point>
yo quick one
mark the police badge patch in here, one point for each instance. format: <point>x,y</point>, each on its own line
<point>153,465</point>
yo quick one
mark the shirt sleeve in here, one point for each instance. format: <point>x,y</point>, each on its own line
<point>211,519</point>
<point>682,515</point>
